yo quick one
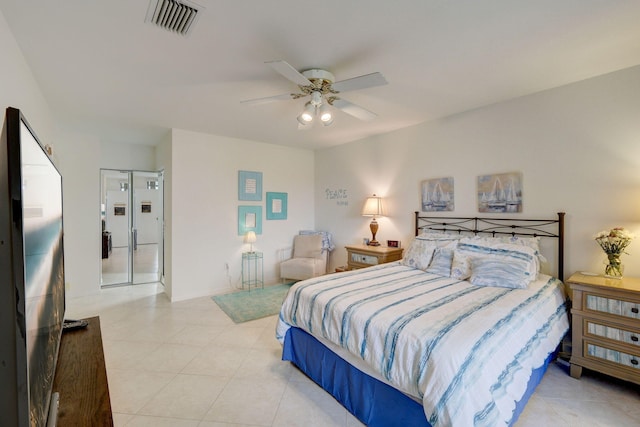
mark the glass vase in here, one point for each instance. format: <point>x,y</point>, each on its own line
<point>614,267</point>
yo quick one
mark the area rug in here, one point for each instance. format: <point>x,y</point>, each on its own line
<point>244,306</point>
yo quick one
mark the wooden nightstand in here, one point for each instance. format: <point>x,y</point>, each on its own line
<point>360,256</point>
<point>606,326</point>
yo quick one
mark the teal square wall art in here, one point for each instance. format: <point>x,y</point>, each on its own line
<point>249,219</point>
<point>276,205</point>
<point>250,186</point>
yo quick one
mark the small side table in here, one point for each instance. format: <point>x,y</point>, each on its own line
<point>252,270</point>
<point>360,256</point>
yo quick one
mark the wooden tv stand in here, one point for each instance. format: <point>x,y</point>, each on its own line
<point>81,378</point>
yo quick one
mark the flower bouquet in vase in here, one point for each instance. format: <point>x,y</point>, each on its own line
<point>613,243</point>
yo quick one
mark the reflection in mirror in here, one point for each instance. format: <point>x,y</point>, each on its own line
<point>147,235</point>
<point>131,216</point>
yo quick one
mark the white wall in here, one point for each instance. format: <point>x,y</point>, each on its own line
<point>577,146</point>
<point>79,164</point>
<point>164,162</point>
<point>203,224</point>
<point>19,89</point>
<point>127,156</point>
<point>75,155</point>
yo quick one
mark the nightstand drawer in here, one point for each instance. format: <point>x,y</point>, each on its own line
<point>364,259</point>
<point>612,333</point>
<point>613,356</point>
<point>612,306</point>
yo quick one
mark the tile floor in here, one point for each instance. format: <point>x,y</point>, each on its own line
<point>187,364</point>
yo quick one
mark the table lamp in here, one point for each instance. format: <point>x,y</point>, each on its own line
<point>373,207</point>
<point>250,238</point>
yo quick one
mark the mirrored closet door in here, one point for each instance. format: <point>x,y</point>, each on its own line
<point>131,208</point>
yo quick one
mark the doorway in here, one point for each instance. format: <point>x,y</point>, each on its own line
<point>131,212</point>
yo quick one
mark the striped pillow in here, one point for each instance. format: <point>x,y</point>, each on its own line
<point>441,262</point>
<point>532,242</point>
<point>502,265</point>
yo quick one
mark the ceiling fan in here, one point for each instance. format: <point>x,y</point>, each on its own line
<point>321,86</point>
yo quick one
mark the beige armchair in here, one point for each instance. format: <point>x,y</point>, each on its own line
<point>309,260</point>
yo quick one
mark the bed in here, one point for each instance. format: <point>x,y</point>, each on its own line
<point>458,333</point>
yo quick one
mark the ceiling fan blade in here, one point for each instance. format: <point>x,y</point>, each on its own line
<point>265,100</point>
<point>354,110</point>
<point>362,82</point>
<point>284,68</point>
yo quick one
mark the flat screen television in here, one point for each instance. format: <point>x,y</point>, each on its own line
<point>32,300</point>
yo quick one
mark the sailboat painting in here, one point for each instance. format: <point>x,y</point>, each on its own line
<point>500,193</point>
<point>437,195</point>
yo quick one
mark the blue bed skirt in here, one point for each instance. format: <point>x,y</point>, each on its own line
<point>373,402</point>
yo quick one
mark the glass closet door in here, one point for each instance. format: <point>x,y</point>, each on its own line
<point>146,230</point>
<point>116,220</point>
<point>132,218</point>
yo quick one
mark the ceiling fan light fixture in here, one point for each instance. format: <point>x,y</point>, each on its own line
<point>321,87</point>
<point>307,114</point>
<point>326,116</point>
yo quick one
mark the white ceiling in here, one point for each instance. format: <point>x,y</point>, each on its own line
<point>104,70</point>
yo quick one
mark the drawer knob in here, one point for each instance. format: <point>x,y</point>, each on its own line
<point>634,338</point>
<point>634,310</point>
<point>634,361</point>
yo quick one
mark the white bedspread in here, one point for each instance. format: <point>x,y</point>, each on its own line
<point>466,351</point>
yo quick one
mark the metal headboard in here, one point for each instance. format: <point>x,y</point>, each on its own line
<point>547,228</point>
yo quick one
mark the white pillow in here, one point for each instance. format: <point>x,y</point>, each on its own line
<point>438,235</point>
<point>460,266</point>
<point>419,254</point>
<point>423,249</point>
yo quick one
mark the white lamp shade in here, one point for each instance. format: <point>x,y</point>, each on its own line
<point>373,207</point>
<point>250,237</point>
<point>326,117</point>
<point>307,114</point>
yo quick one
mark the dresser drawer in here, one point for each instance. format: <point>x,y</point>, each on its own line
<point>612,306</point>
<point>617,357</point>
<point>613,333</point>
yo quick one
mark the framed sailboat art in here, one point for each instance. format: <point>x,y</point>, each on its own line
<point>500,193</point>
<point>437,195</point>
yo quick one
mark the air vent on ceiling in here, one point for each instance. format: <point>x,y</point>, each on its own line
<point>178,16</point>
